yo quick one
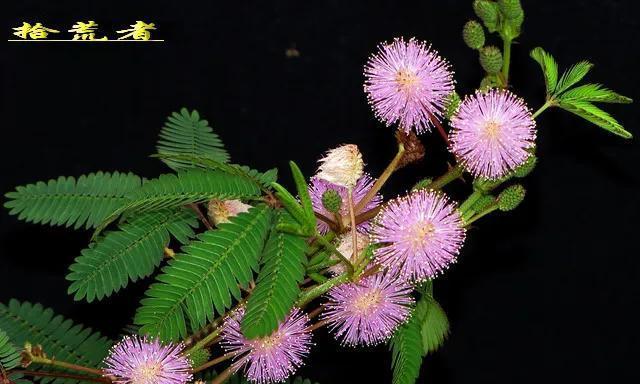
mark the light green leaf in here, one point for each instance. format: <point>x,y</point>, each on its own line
<point>549,68</point>
<point>595,93</point>
<point>596,116</point>
<point>573,75</point>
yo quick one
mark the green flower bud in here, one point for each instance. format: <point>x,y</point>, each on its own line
<point>488,12</point>
<point>483,202</point>
<point>491,59</point>
<point>473,35</point>
<point>488,82</point>
<point>511,9</point>
<point>511,197</point>
<point>451,105</point>
<point>422,184</point>
<point>526,168</point>
<point>199,357</point>
<point>331,201</point>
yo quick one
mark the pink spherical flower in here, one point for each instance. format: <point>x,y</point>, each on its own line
<point>272,358</point>
<point>369,311</point>
<point>419,235</point>
<point>137,360</point>
<point>492,133</point>
<point>319,186</point>
<point>407,83</point>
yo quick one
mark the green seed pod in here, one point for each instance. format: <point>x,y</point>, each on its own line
<point>491,59</point>
<point>422,184</point>
<point>451,104</point>
<point>488,12</point>
<point>490,81</point>
<point>511,9</point>
<point>473,34</point>
<point>511,197</point>
<point>526,168</point>
<point>331,201</point>
<point>199,357</point>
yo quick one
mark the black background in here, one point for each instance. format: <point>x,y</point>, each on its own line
<point>544,294</point>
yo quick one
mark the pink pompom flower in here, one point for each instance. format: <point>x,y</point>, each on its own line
<point>408,83</point>
<point>367,312</point>
<point>493,133</point>
<point>419,235</point>
<point>272,358</point>
<point>319,186</point>
<point>136,360</point>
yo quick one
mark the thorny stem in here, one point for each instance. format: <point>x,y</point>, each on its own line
<point>221,378</point>
<point>506,59</point>
<point>352,217</point>
<point>201,216</point>
<point>215,361</point>
<point>64,364</point>
<point>440,129</point>
<point>327,220</point>
<point>381,180</point>
<point>317,325</point>
<point>63,375</point>
<point>308,295</point>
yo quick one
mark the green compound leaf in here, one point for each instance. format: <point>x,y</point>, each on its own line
<point>277,287</point>
<point>9,355</point>
<point>549,68</point>
<point>205,276</point>
<point>185,133</point>
<point>572,76</point>
<point>262,179</point>
<point>189,186</point>
<point>66,201</point>
<point>60,338</point>
<point>434,324</point>
<point>128,254</point>
<point>596,116</point>
<point>595,93</point>
<point>407,351</point>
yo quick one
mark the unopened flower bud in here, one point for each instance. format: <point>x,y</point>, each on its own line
<point>488,82</point>
<point>220,211</point>
<point>488,12</point>
<point>491,59</point>
<point>342,166</point>
<point>331,200</point>
<point>199,357</point>
<point>526,168</point>
<point>473,34</point>
<point>451,104</point>
<point>511,9</point>
<point>511,197</point>
<point>422,184</point>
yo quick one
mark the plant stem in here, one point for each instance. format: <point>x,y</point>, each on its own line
<point>308,295</point>
<point>352,217</point>
<point>451,174</point>
<point>483,213</point>
<point>506,59</point>
<point>381,180</point>
<point>317,325</point>
<point>546,105</point>
<point>333,249</point>
<point>201,216</point>
<point>64,364</point>
<point>440,129</point>
<point>468,203</point>
<point>63,375</point>
<point>221,378</point>
<point>205,341</point>
<point>213,362</point>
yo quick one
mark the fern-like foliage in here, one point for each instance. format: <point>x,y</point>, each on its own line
<point>59,337</point>
<point>130,253</point>
<point>277,287</point>
<point>66,201</point>
<point>205,276</point>
<point>185,133</point>
<point>9,355</point>
<point>190,186</point>
<point>578,100</point>
<point>262,179</point>
<point>407,351</point>
<point>434,324</point>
